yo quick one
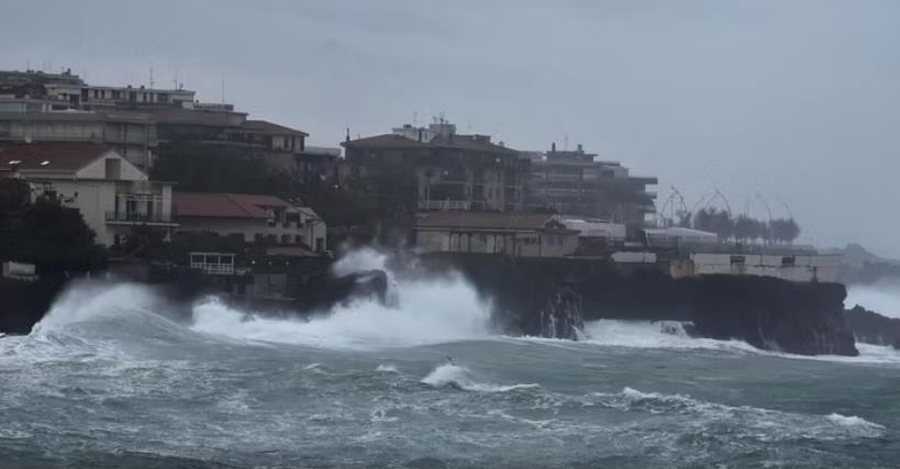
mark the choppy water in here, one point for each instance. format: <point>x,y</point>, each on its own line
<point>107,380</point>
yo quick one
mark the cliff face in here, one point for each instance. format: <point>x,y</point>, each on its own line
<point>768,313</point>
<point>873,328</point>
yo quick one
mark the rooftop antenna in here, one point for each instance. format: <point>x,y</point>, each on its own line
<point>565,141</point>
<point>151,75</point>
<point>223,91</point>
<point>415,119</point>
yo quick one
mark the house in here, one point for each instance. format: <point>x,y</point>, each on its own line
<point>250,217</point>
<point>111,194</point>
<point>525,235</point>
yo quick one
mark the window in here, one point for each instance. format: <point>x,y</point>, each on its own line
<point>286,239</point>
<point>113,168</point>
<point>788,261</point>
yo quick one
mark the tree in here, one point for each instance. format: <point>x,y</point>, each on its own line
<point>53,237</point>
<point>716,221</point>
<point>218,168</point>
<point>784,229</point>
<point>744,228</point>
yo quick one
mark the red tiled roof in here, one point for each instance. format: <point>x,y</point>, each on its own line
<point>223,205</point>
<point>484,220</point>
<point>268,127</point>
<point>69,157</point>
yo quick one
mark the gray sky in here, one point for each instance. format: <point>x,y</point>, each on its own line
<point>795,100</point>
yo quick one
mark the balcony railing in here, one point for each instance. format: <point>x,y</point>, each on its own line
<point>449,205</point>
<point>213,268</point>
<point>132,217</point>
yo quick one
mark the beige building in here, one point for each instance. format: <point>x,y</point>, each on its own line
<point>525,235</point>
<point>253,218</point>
<point>112,194</point>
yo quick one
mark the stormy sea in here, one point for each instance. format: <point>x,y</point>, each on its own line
<point>111,378</point>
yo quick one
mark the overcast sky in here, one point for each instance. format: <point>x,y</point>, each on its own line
<point>793,101</point>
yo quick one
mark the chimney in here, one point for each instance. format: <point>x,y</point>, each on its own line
<point>420,133</point>
<point>553,147</point>
<point>347,138</point>
<point>580,149</point>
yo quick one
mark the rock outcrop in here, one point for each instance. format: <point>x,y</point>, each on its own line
<point>873,328</point>
<point>768,313</point>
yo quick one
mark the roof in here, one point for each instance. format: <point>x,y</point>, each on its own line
<point>461,142</point>
<point>68,157</point>
<point>678,231</point>
<point>385,141</point>
<point>223,205</point>
<point>268,127</point>
<point>485,220</point>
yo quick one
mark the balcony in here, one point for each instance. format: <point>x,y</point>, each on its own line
<point>131,218</point>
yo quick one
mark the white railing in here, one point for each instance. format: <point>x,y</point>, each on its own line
<point>448,205</point>
<point>213,269</point>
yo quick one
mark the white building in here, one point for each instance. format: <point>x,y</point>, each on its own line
<point>250,217</point>
<point>112,194</point>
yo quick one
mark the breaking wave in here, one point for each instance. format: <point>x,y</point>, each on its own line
<point>882,298</point>
<point>760,422</point>
<point>454,376</point>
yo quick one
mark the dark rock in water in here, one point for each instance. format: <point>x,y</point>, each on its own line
<point>873,328</point>
<point>772,314</point>
<point>551,297</point>
<point>22,304</point>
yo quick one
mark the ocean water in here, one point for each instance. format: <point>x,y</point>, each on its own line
<point>110,379</point>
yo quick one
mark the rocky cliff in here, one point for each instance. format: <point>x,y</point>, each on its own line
<point>551,297</point>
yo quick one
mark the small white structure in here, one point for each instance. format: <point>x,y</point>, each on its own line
<point>678,236</point>
<point>593,228</point>
<point>634,257</point>
<point>19,271</point>
<point>798,268</point>
<point>213,263</point>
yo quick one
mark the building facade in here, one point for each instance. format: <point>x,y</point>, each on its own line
<point>521,235</point>
<point>444,170</point>
<point>112,195</point>
<point>576,183</point>
<point>249,217</point>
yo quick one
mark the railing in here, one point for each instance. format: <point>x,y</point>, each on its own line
<point>444,205</point>
<point>114,216</point>
<point>213,269</point>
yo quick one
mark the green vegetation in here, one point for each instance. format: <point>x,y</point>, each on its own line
<point>53,237</point>
<point>218,168</point>
<point>745,228</point>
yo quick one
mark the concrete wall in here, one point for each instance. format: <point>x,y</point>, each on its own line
<point>798,268</point>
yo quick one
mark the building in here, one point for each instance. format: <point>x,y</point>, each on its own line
<point>130,134</point>
<point>111,194</point>
<point>139,122</point>
<point>249,217</point>
<point>525,235</point>
<point>574,182</point>
<point>443,170</point>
